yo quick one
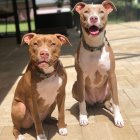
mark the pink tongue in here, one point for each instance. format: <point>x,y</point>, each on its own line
<point>94,30</point>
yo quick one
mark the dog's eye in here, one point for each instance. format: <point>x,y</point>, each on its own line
<point>86,11</point>
<point>101,12</point>
<point>35,44</point>
<point>53,44</point>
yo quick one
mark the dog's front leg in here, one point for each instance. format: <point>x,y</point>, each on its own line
<point>35,115</point>
<point>83,120</point>
<point>113,86</point>
<point>61,117</point>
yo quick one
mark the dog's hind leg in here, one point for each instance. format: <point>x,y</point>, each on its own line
<point>18,114</point>
<point>107,103</point>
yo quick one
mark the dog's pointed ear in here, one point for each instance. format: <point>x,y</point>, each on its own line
<point>63,39</point>
<point>109,6</point>
<point>27,38</point>
<point>78,7</point>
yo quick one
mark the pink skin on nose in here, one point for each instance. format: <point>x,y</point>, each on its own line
<point>44,54</point>
<point>44,57</point>
<point>93,19</point>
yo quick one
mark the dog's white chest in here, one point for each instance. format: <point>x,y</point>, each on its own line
<point>48,88</point>
<point>90,62</point>
<point>104,62</point>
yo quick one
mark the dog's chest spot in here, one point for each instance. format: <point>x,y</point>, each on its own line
<point>90,62</point>
<point>104,62</point>
<point>48,89</point>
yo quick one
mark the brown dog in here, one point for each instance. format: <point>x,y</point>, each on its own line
<point>94,62</point>
<point>41,87</point>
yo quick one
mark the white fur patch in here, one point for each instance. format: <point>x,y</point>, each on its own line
<point>83,120</point>
<point>118,117</point>
<point>41,137</point>
<point>21,137</point>
<point>104,62</point>
<point>48,88</point>
<point>63,131</point>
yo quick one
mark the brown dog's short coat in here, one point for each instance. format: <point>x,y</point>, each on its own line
<point>41,87</point>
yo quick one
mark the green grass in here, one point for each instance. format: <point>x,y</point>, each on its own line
<point>11,27</point>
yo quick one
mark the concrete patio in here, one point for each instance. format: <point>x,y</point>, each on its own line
<point>125,41</point>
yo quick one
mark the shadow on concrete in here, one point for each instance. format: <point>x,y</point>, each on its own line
<point>13,61</point>
<point>94,110</point>
<point>120,56</point>
<point>49,129</point>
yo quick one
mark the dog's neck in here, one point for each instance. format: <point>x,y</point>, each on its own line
<point>46,72</point>
<point>92,49</point>
<point>94,41</point>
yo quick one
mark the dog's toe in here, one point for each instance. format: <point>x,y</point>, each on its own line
<point>83,120</point>
<point>63,131</point>
<point>21,137</point>
<point>119,121</point>
<point>41,137</point>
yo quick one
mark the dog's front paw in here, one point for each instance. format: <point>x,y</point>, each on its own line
<point>63,131</point>
<point>41,137</point>
<point>83,120</point>
<point>21,137</point>
<point>118,120</point>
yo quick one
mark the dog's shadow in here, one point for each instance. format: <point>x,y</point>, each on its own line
<point>50,130</point>
<point>95,110</point>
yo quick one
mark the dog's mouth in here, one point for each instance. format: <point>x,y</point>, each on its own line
<point>94,30</point>
<point>42,63</point>
<point>45,64</point>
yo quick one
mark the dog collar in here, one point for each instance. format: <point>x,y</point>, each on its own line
<point>46,75</point>
<point>92,49</point>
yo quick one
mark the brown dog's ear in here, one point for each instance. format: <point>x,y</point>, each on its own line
<point>27,38</point>
<point>109,6</point>
<point>79,6</point>
<point>63,39</point>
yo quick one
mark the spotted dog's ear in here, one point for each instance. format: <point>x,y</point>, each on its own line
<point>27,38</point>
<point>63,39</point>
<point>109,6</point>
<point>78,7</point>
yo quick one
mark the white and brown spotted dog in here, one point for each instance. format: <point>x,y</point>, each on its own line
<point>94,62</point>
<point>41,87</point>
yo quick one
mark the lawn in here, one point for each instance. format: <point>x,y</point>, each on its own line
<point>11,27</point>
